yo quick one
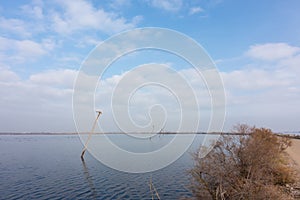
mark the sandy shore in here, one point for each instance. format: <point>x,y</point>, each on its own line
<point>294,151</point>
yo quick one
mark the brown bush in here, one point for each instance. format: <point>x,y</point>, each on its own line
<point>250,166</point>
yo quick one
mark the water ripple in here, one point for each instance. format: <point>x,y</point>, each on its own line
<point>49,167</point>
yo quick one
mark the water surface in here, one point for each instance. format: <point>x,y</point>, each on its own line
<point>49,167</point>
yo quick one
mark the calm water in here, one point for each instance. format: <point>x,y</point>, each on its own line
<point>49,167</point>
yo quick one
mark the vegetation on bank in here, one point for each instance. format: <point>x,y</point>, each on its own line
<point>253,165</point>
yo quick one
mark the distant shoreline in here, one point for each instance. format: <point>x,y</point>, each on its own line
<point>66,133</point>
<point>293,135</point>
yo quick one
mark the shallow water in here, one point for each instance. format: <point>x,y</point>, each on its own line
<point>49,167</point>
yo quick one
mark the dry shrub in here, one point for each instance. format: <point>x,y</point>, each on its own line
<point>250,166</point>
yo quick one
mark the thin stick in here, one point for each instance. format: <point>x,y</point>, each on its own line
<point>90,135</point>
<point>156,192</point>
<point>152,188</point>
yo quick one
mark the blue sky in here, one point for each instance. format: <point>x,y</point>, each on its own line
<point>255,44</point>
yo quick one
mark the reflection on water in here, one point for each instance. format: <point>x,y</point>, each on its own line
<point>49,167</point>
<point>89,179</point>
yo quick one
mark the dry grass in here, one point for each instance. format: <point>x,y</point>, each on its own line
<point>244,167</point>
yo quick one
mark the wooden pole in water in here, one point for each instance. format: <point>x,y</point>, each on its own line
<point>90,134</point>
<point>153,189</point>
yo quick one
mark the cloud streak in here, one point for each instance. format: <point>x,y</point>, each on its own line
<point>272,51</point>
<point>89,18</point>
<point>195,10</point>
<point>167,5</point>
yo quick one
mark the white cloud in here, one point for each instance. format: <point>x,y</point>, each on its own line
<point>29,48</point>
<point>8,76</point>
<point>144,98</point>
<point>195,10</point>
<point>33,11</point>
<point>167,5</point>
<point>14,26</point>
<point>41,103</point>
<point>34,20</point>
<point>137,19</point>
<point>118,4</point>
<point>266,96</point>
<point>272,51</point>
<point>22,50</point>
<point>48,44</point>
<point>255,79</point>
<point>80,15</point>
<point>292,63</point>
<point>88,41</point>
<point>61,77</point>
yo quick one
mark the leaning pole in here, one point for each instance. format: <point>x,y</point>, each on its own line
<point>90,135</point>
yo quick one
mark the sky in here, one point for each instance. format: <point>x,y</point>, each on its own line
<point>254,44</point>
